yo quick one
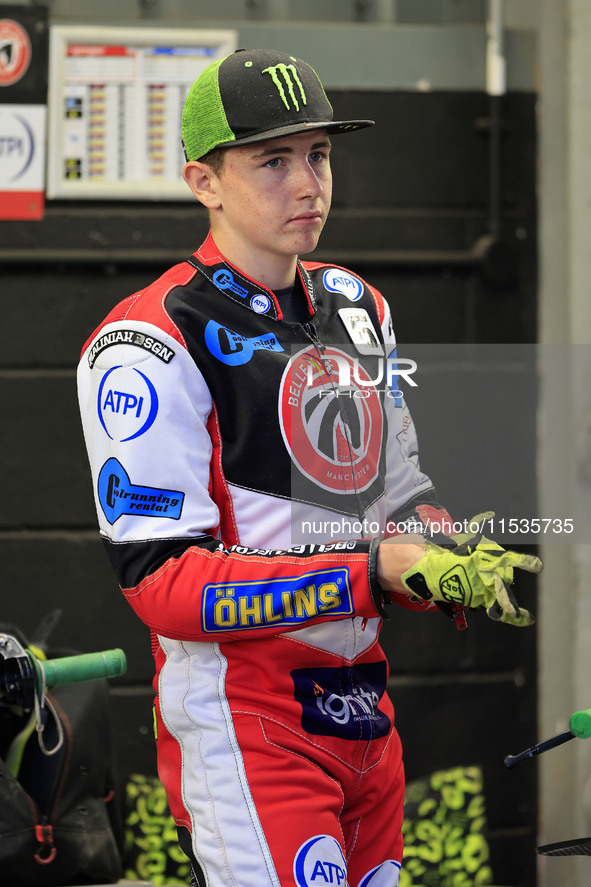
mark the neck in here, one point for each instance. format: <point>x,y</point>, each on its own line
<point>272,270</point>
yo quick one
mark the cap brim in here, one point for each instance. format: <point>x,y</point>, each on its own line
<point>331,126</point>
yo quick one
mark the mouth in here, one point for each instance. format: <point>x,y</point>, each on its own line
<point>308,218</point>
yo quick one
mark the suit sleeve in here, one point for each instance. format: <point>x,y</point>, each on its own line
<point>409,490</point>
<point>412,505</point>
<point>145,412</point>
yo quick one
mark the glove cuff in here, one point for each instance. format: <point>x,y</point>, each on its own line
<point>417,584</point>
<point>380,596</point>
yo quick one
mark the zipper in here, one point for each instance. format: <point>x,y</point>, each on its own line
<point>43,824</point>
<point>46,851</point>
<point>312,333</point>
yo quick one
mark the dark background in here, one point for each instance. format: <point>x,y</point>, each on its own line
<point>435,206</point>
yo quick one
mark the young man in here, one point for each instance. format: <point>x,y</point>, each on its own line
<point>245,473</point>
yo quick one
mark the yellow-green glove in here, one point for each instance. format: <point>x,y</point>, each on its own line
<point>476,573</point>
<point>476,537</point>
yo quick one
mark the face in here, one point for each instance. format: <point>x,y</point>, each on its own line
<point>270,201</point>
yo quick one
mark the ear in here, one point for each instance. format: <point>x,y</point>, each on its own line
<point>203,183</point>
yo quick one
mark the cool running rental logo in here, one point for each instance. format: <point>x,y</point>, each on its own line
<point>224,280</point>
<point>290,76</point>
<point>233,348</point>
<point>118,496</point>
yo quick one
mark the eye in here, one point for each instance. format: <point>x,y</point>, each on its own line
<point>273,163</point>
<point>318,156</point>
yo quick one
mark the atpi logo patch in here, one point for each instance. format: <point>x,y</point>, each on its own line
<point>127,403</point>
<point>338,281</point>
<point>385,875</point>
<point>334,434</point>
<point>320,861</point>
<point>17,146</point>
<point>260,303</point>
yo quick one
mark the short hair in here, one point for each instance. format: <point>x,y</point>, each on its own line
<point>215,160</point>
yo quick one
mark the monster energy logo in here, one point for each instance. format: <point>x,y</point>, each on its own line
<point>289,75</point>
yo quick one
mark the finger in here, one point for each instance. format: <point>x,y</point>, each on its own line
<point>530,563</point>
<point>511,560</point>
<point>524,619</point>
<point>481,518</point>
<point>505,598</point>
<point>521,620</point>
<point>467,542</point>
<point>505,607</point>
<point>495,612</point>
<point>478,521</point>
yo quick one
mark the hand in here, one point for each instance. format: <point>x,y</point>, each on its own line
<point>476,573</point>
<point>396,555</point>
<point>479,521</point>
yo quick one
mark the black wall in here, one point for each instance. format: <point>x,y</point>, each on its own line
<point>443,224</point>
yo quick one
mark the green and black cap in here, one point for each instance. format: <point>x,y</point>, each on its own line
<point>253,95</point>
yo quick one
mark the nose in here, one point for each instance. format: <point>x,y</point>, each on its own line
<point>307,182</point>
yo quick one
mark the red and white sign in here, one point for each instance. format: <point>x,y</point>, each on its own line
<point>86,50</point>
<point>23,111</point>
<point>15,52</point>
<point>22,161</point>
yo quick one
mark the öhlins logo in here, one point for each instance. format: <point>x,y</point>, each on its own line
<point>286,77</point>
<point>283,601</point>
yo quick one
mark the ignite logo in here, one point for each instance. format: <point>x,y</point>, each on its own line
<point>342,702</point>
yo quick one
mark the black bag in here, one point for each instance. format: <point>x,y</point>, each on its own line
<point>59,822</point>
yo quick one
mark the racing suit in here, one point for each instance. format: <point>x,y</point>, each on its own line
<point>244,469</point>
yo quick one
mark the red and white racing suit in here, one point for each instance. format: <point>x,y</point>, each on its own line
<point>244,468</point>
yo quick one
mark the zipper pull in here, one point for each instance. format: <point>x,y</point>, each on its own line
<point>47,850</point>
<point>459,617</point>
<point>455,612</point>
<point>312,334</point>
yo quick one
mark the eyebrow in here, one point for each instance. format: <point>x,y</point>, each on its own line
<point>286,149</point>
